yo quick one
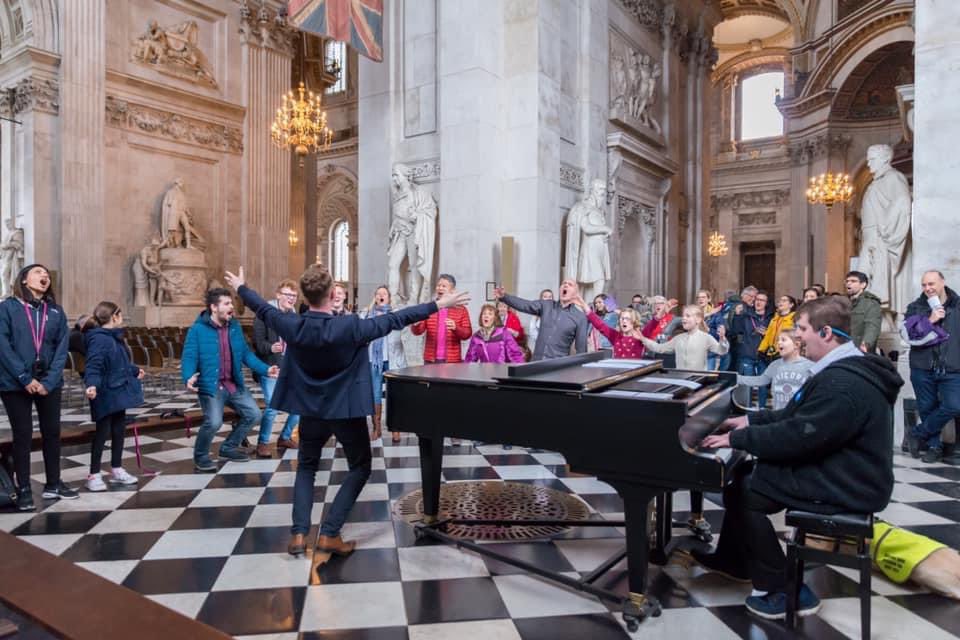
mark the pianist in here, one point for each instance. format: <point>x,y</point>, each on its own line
<point>562,324</point>
<point>828,451</point>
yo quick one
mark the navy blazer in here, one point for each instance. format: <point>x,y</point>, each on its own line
<point>325,371</point>
<point>17,351</point>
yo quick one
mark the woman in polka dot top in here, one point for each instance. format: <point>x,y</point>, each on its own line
<point>626,339</point>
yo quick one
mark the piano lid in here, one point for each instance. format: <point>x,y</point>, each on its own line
<point>582,372</point>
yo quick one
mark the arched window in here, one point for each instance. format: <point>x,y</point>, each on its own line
<point>759,116</point>
<point>340,250</point>
<point>335,54</point>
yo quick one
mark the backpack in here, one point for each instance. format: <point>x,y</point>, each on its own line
<point>8,490</point>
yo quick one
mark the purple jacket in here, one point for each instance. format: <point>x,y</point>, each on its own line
<point>500,348</point>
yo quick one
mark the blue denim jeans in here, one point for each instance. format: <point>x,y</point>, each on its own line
<point>377,381</point>
<point>938,402</point>
<point>314,433</point>
<point>241,402</point>
<point>268,385</point>
<point>754,367</point>
<point>718,363</point>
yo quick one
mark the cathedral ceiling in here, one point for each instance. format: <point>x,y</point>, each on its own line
<point>869,92</point>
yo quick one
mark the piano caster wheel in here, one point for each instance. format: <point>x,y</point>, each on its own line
<point>637,609</point>
<point>701,530</point>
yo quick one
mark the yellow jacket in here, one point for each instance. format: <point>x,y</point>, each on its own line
<point>779,323</point>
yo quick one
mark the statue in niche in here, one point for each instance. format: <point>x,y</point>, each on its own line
<point>587,258</point>
<point>148,276</point>
<point>174,50</point>
<point>619,89</point>
<point>412,236</point>
<point>885,230</point>
<point>177,221</point>
<point>11,258</point>
<point>646,75</point>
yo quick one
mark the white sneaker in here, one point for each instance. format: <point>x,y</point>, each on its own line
<point>120,476</point>
<point>95,483</point>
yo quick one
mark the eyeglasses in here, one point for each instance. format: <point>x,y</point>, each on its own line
<point>288,296</point>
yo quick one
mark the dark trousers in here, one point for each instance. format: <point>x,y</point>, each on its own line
<point>113,425</point>
<point>938,402</point>
<point>19,407</point>
<point>314,432</point>
<point>748,541</point>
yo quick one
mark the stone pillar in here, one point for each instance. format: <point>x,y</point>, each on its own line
<point>82,115</point>
<point>267,55</point>
<point>936,163</point>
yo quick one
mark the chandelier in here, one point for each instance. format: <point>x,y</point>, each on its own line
<point>717,245</point>
<point>828,188</point>
<point>293,238</point>
<point>301,124</point>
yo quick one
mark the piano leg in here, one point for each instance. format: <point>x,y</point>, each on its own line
<point>697,523</point>
<point>431,464</point>
<point>636,505</point>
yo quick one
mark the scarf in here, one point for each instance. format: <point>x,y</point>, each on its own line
<point>377,354</point>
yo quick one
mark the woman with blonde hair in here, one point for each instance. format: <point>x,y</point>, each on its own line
<point>693,345</point>
<point>385,353</point>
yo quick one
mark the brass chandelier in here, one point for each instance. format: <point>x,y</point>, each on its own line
<point>829,188</point>
<point>717,245</point>
<point>301,124</point>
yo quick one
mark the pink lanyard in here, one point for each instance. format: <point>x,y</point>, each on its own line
<point>37,335</point>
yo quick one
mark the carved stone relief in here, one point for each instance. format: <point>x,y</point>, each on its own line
<point>262,26</point>
<point>803,151</point>
<point>634,79</point>
<point>758,218</point>
<point>423,171</point>
<point>750,199</point>
<point>164,124</point>
<point>649,13</point>
<point>571,177</point>
<point>628,208</point>
<point>174,51</point>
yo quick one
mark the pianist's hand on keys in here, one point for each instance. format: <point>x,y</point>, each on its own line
<point>721,437</point>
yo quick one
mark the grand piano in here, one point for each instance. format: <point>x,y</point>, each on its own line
<point>633,424</point>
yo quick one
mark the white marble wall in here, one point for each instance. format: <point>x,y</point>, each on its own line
<point>936,189</point>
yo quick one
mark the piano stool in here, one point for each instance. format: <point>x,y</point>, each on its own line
<point>843,528</point>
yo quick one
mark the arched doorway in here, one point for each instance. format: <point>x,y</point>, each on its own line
<point>337,225</point>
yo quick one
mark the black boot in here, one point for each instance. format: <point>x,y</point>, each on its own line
<point>25,500</point>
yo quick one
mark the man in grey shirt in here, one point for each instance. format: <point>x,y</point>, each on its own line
<point>562,324</point>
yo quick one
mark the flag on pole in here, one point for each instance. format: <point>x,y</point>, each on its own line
<point>359,23</point>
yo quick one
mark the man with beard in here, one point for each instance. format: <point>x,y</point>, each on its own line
<point>214,353</point>
<point>562,324</point>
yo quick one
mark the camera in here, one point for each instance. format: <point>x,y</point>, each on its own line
<point>39,368</point>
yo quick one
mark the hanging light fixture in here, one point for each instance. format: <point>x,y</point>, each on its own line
<point>717,245</point>
<point>293,238</point>
<point>301,122</point>
<point>829,188</point>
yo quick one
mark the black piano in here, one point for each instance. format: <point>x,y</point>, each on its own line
<point>633,424</point>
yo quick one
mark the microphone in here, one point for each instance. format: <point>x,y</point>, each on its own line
<point>934,302</point>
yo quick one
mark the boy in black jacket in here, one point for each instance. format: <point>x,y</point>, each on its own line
<point>828,451</point>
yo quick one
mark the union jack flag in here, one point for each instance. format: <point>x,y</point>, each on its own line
<point>359,23</point>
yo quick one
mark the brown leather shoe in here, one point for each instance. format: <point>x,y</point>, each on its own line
<point>298,544</point>
<point>335,545</point>
<point>287,444</point>
<point>263,451</point>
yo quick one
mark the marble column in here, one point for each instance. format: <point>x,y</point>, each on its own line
<point>82,108</point>
<point>936,163</point>
<point>264,243</point>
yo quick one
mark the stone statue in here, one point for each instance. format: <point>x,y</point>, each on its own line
<point>174,50</point>
<point>176,220</point>
<point>588,245</point>
<point>642,100</point>
<point>618,79</point>
<point>885,232</point>
<point>412,236</point>
<point>148,276</point>
<point>11,258</point>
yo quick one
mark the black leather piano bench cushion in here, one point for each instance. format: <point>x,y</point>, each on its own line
<point>855,525</point>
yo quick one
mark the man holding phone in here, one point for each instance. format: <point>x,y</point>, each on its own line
<point>934,364</point>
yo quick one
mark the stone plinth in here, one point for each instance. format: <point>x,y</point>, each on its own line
<point>185,276</point>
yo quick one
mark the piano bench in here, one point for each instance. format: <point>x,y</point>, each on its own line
<point>855,528</point>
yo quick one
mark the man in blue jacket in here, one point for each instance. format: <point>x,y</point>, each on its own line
<point>214,353</point>
<point>325,379</point>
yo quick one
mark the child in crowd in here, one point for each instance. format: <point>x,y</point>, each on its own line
<point>492,342</point>
<point>786,374</point>
<point>113,386</point>
<point>693,345</point>
<point>625,338</point>
<point>782,321</point>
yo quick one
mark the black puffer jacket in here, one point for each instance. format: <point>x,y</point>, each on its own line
<point>829,450</point>
<point>946,355</point>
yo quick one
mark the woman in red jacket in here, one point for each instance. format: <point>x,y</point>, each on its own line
<point>445,329</point>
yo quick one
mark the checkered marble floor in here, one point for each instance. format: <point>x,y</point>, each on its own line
<point>212,546</point>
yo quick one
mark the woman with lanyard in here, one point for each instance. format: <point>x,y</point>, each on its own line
<point>385,353</point>
<point>33,352</point>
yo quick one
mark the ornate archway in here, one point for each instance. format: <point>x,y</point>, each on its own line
<point>337,202</point>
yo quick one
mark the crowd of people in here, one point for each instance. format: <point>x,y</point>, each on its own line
<point>323,365</point>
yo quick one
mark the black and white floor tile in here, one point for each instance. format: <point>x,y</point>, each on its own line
<point>212,546</point>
